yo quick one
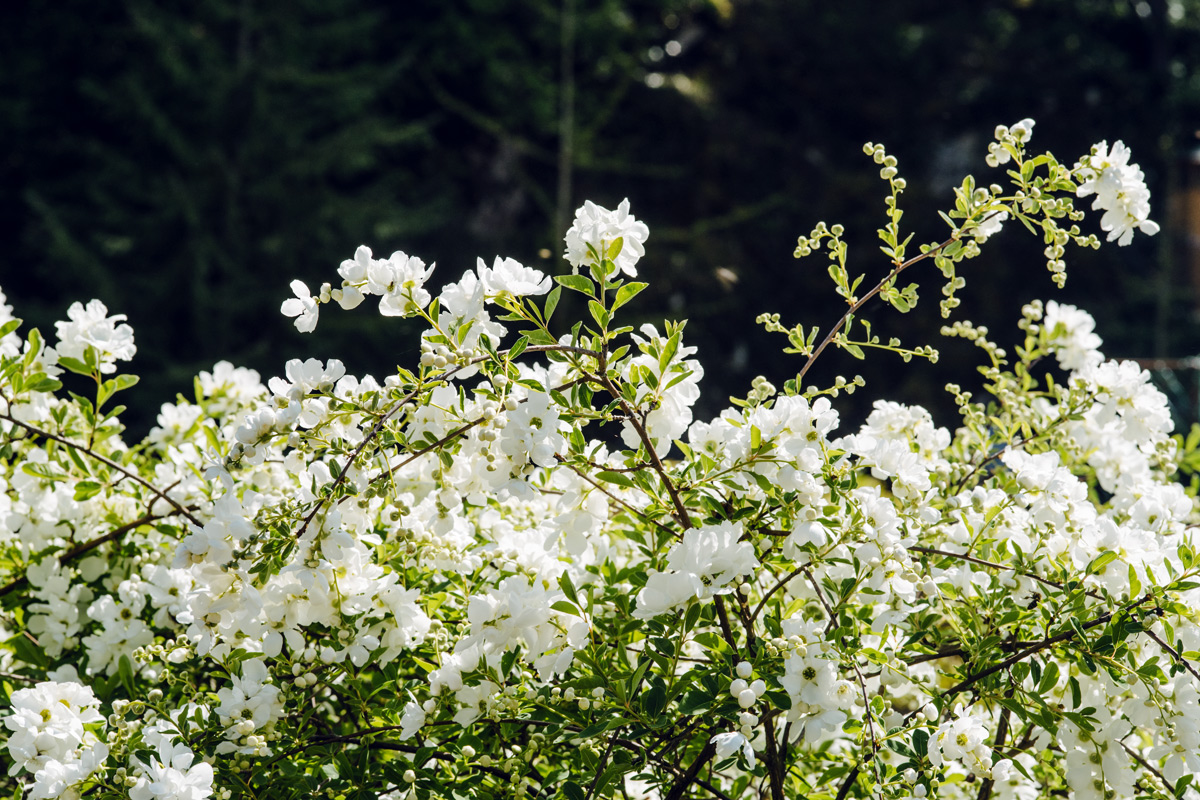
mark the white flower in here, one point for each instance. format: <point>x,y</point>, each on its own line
<point>700,567</point>
<point>90,326</point>
<point>990,225</point>
<point>509,275</point>
<point>48,737</point>
<point>303,307</point>
<point>596,229</point>
<point>1120,189</point>
<point>173,776</point>
<point>400,283</point>
<point>727,744</point>
<point>1072,336</point>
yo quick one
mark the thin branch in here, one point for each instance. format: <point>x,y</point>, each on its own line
<point>1179,659</point>
<point>1067,635</point>
<point>80,549</point>
<point>933,551</point>
<point>856,305</point>
<point>398,405</point>
<point>642,514</point>
<point>784,582</point>
<point>133,476</point>
<point>681,513</point>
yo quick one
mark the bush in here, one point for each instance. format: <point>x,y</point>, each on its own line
<point>519,568</point>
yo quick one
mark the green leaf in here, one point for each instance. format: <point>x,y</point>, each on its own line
<point>573,791</point>
<point>614,249</point>
<point>1049,678</point>
<point>125,671</point>
<point>85,490</point>
<point>599,313</point>
<point>627,293</point>
<point>552,302</point>
<point>74,365</point>
<point>568,588</point>
<point>43,383</point>
<point>619,478</point>
<point>668,352</point>
<point>655,700</point>
<point>1100,562</point>
<point>577,283</point>
<point>518,347</point>
<point>9,327</point>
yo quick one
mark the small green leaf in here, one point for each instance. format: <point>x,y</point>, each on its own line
<point>614,249</point>
<point>518,347</point>
<point>74,365</point>
<point>577,283</point>
<point>552,302</point>
<point>599,313</point>
<point>627,293</point>
<point>1049,678</point>
<point>618,478</point>
<point>568,588</point>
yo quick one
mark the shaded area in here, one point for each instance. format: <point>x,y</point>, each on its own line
<point>184,161</point>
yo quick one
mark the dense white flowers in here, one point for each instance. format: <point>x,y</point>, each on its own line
<point>699,567</point>
<point>597,229</point>
<point>91,328</point>
<point>1120,190</point>
<point>519,556</point>
<point>51,736</point>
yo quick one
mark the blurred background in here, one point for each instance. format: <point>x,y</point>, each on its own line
<point>183,161</point>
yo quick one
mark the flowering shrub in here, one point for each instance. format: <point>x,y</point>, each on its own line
<point>519,568</point>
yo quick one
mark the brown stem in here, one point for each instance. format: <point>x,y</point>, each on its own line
<point>681,513</point>
<point>971,680</point>
<point>679,789</point>
<point>855,306</point>
<point>133,476</point>
<point>758,609</point>
<point>80,549</point>
<point>775,765</point>
<point>396,407</point>
<point>985,791</point>
<point>933,551</point>
<point>1174,653</point>
<point>642,514</point>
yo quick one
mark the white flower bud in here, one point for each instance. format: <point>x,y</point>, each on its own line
<point>738,686</point>
<point>744,669</point>
<point>747,698</point>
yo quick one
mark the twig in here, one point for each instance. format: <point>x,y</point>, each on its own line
<point>80,549</point>
<point>971,680</point>
<point>133,476</point>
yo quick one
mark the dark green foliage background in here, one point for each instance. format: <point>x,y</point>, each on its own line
<point>183,161</point>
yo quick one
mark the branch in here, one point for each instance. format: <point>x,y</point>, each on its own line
<point>1174,653</point>
<point>398,405</point>
<point>784,582</point>
<point>964,557</point>
<point>103,460</point>
<point>681,513</point>
<point>80,549</point>
<point>856,305</point>
<point>1067,635</point>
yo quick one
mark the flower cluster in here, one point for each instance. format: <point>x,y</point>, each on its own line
<point>1120,190</point>
<point>521,567</point>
